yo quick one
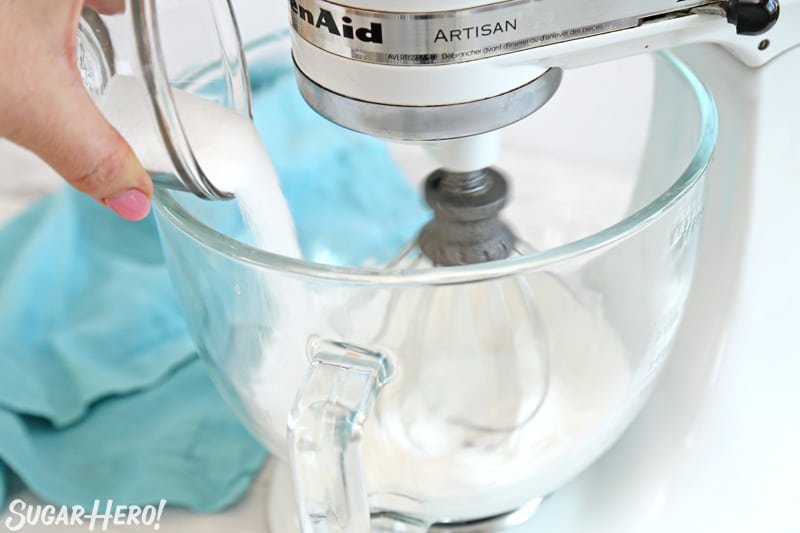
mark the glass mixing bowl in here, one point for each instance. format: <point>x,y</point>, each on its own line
<point>446,395</point>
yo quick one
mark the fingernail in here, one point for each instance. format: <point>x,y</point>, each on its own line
<point>131,204</point>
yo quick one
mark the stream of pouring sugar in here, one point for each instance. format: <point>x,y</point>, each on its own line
<point>226,145</point>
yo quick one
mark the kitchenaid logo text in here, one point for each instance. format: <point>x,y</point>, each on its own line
<point>22,515</point>
<point>343,27</point>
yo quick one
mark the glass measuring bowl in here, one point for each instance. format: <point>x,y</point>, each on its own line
<point>454,394</point>
<point>150,47</point>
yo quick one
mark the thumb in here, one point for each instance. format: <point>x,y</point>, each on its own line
<point>47,110</point>
<point>69,132</point>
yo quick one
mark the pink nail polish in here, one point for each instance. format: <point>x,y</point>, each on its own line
<point>131,204</point>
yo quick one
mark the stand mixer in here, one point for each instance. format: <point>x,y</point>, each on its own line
<point>714,449</point>
<point>407,363</point>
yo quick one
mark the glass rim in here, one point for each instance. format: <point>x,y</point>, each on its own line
<point>187,169</point>
<point>171,210</point>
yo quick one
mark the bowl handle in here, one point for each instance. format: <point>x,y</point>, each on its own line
<point>324,434</point>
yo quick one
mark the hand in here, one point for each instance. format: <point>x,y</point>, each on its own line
<point>45,108</point>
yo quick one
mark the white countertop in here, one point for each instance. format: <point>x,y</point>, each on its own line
<point>23,178</point>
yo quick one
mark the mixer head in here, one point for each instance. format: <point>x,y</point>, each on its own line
<point>398,70</point>
<point>431,122</point>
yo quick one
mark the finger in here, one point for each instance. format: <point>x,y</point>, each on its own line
<point>107,7</point>
<point>74,138</point>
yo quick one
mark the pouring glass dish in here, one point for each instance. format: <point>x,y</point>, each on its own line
<point>447,395</point>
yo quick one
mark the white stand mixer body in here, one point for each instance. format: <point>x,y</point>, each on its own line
<point>484,75</point>
<point>716,447</point>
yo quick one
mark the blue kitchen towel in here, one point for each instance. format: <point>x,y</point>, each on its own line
<point>175,440</point>
<point>101,393</point>
<point>85,305</point>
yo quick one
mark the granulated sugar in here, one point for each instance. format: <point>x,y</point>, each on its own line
<point>226,145</point>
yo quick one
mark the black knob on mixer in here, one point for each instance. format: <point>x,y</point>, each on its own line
<point>753,17</point>
<point>466,227</point>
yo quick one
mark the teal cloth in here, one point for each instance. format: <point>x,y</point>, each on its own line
<point>101,392</point>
